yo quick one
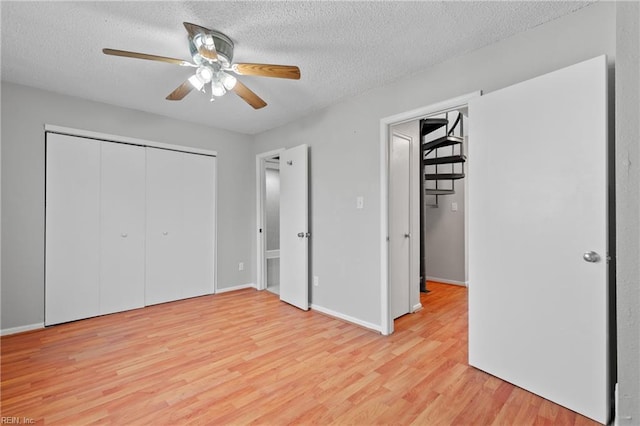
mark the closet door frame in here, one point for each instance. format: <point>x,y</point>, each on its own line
<point>51,128</point>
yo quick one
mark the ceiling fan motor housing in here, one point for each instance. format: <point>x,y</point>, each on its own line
<point>223,44</point>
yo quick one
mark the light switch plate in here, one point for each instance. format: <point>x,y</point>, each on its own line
<point>360,202</point>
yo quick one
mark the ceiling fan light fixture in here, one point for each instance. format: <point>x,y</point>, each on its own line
<point>217,88</point>
<point>205,74</point>
<point>228,81</point>
<point>212,53</point>
<point>196,82</point>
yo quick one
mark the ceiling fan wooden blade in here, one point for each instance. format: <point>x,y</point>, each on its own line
<point>268,70</point>
<point>181,91</point>
<point>207,51</point>
<point>248,96</point>
<point>138,55</point>
<point>194,29</point>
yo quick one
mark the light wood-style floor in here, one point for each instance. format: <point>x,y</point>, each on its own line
<point>245,357</point>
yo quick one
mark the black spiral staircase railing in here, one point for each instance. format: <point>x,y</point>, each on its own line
<point>442,163</point>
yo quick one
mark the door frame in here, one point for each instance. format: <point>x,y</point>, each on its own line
<point>385,144</point>
<point>261,160</point>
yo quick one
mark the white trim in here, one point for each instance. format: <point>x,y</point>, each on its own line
<point>347,318</point>
<point>417,307</point>
<point>215,225</point>
<point>616,405</point>
<point>124,139</point>
<point>446,281</point>
<point>261,159</point>
<point>21,329</point>
<point>386,322</point>
<point>235,288</point>
<point>385,127</point>
<point>465,183</point>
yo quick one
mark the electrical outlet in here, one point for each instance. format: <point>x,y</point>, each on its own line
<point>241,266</point>
<point>316,281</point>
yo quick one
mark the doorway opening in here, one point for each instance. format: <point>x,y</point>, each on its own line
<point>268,218</point>
<point>444,142</point>
<point>271,224</point>
<point>389,280</point>
<point>437,203</point>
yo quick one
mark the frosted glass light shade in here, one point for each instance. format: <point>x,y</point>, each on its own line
<point>228,80</point>
<point>217,88</point>
<point>196,82</point>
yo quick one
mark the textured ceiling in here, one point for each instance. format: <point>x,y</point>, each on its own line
<point>342,48</point>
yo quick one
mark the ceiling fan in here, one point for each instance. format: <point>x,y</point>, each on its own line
<point>212,55</point>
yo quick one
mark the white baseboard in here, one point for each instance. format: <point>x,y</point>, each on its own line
<point>347,318</point>
<point>445,281</point>
<point>416,308</point>
<point>234,288</point>
<point>616,418</point>
<point>21,329</point>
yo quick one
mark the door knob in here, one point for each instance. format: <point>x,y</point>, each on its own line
<point>124,235</point>
<point>407,235</point>
<point>301,234</point>
<point>165,233</point>
<point>591,256</point>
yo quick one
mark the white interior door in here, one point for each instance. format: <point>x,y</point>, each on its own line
<point>122,229</point>
<point>72,228</point>
<point>538,313</point>
<point>294,227</point>
<point>399,225</point>
<point>164,257</point>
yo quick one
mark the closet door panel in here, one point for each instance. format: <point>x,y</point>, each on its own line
<point>122,230</point>
<point>72,228</point>
<point>198,221</point>
<point>164,260</point>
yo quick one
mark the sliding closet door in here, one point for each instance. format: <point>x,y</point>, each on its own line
<point>72,228</point>
<point>164,257</point>
<point>122,229</point>
<point>198,201</point>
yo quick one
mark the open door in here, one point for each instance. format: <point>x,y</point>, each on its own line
<point>399,225</point>
<point>294,227</point>
<point>538,291</point>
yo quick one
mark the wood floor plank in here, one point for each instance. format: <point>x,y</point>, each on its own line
<point>213,360</point>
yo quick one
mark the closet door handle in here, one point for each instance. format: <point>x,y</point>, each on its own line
<point>124,235</point>
<point>165,233</point>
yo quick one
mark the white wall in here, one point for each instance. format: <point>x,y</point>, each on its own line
<point>627,161</point>
<point>24,113</point>
<point>344,146</point>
